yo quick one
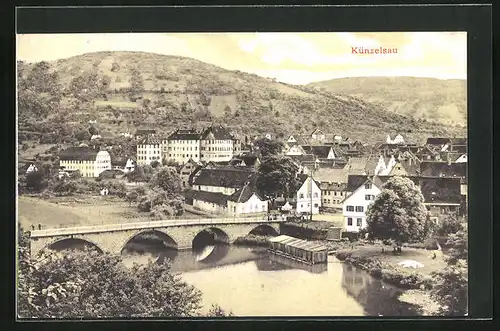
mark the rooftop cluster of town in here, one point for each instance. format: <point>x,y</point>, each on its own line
<point>343,176</point>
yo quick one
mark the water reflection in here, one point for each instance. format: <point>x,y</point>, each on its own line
<point>275,262</point>
<point>376,297</point>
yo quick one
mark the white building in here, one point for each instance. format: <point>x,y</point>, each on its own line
<point>398,140</point>
<point>246,201</point>
<point>214,143</point>
<point>309,193</point>
<point>89,161</point>
<point>355,205</point>
<point>149,150</point>
<point>31,168</point>
<point>461,159</point>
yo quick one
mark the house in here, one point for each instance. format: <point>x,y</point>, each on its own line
<point>31,168</point>
<point>291,141</point>
<point>95,136</point>
<point>295,150</point>
<point>268,136</point>
<point>186,170</point>
<point>141,133</point>
<point>149,150</point>
<point>448,144</point>
<point>333,185</point>
<point>461,159</point>
<point>355,205</point>
<point>125,164</point>
<point>213,186</point>
<point>321,152</point>
<point>247,201</point>
<point>182,145</point>
<point>442,195</point>
<point>309,197</point>
<point>126,134</point>
<point>443,169</point>
<point>397,140</point>
<point>246,159</point>
<point>317,134</point>
<point>89,161</point>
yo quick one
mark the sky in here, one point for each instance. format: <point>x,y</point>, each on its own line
<point>295,58</point>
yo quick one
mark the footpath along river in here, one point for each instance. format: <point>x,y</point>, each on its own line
<point>250,282</point>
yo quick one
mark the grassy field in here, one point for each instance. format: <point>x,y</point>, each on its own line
<point>79,211</point>
<point>116,103</point>
<point>32,151</point>
<point>423,256</point>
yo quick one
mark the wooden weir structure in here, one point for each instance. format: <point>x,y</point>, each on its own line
<point>298,249</point>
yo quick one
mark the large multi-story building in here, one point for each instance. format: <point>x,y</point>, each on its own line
<point>89,161</point>
<point>149,150</point>
<point>214,143</point>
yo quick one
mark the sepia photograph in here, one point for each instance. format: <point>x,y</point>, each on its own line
<point>219,175</point>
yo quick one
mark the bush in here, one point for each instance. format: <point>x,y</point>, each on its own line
<point>352,236</point>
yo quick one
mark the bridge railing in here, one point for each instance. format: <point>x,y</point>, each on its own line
<point>149,225</point>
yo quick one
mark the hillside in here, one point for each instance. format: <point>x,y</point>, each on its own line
<point>444,101</point>
<point>123,91</point>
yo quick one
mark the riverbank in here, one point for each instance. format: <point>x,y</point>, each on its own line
<point>383,264</point>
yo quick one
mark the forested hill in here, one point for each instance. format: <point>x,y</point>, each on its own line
<point>444,101</point>
<point>123,91</point>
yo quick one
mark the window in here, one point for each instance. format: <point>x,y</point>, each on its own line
<point>301,196</point>
<point>369,197</point>
<point>349,221</point>
<point>335,193</point>
<point>350,208</point>
<point>324,200</point>
<point>316,205</point>
<point>316,194</point>
<point>368,186</point>
<point>358,222</point>
<point>360,209</point>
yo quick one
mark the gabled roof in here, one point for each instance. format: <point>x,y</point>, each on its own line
<point>185,134</point>
<point>140,132</point>
<point>334,175</point>
<point>303,158</point>
<point>319,151</point>
<point>355,181</point>
<point>78,154</point>
<point>441,190</point>
<point>212,197</point>
<point>438,141</point>
<point>459,141</point>
<point>217,132</point>
<point>442,169</point>
<point>150,139</point>
<point>244,194</point>
<point>224,177</point>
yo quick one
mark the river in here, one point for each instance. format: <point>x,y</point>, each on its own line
<point>250,282</point>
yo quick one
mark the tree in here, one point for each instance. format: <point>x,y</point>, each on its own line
<point>35,181</point>
<point>136,81</point>
<point>448,225</point>
<point>155,163</point>
<point>269,147</point>
<point>137,175</point>
<point>398,213</point>
<point>115,67</point>
<point>167,179</point>
<point>217,311</point>
<point>227,112</point>
<point>83,135</point>
<point>93,130</point>
<point>451,287</point>
<point>90,284</point>
<point>277,175</point>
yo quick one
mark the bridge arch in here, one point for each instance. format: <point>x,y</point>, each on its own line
<point>264,230</point>
<point>168,240</point>
<point>217,235</point>
<point>73,242</point>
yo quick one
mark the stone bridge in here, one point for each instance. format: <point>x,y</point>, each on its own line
<point>179,234</point>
